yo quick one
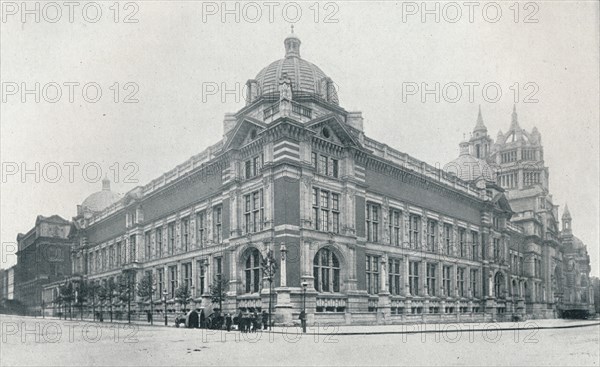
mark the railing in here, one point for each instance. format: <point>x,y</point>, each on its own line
<point>271,110</point>
<point>301,110</point>
<point>331,303</point>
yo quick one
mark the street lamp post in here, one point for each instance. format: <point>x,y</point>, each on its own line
<point>303,314</point>
<point>165,293</point>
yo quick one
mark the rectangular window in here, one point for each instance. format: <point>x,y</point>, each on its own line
<point>172,281</point>
<point>448,239</point>
<point>460,281</point>
<point>372,273</point>
<point>496,245</point>
<point>414,231</point>
<point>326,211</point>
<point>413,277</point>
<point>201,275</point>
<point>159,242</point>
<point>314,160</point>
<point>200,228</point>
<point>394,226</point>
<point>171,238</point>
<point>335,212</point>
<point>446,284</point>
<point>132,248</point>
<point>323,164</point>
<point>431,235</point>
<point>334,168</point>
<point>119,252</point>
<point>372,222</point>
<point>254,211</point>
<point>185,234</point>
<point>218,224</point>
<point>218,267</point>
<point>111,257</point>
<point>462,244</point>
<point>394,284</point>
<point>160,273</point>
<point>253,166</point>
<point>474,245</point>
<point>473,278</point>
<point>431,276</point>
<point>187,275</point>
<point>148,245</point>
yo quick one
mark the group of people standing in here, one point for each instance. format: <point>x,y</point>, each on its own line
<point>250,322</point>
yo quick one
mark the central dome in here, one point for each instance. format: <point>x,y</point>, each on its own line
<point>102,199</point>
<point>468,168</point>
<point>306,78</point>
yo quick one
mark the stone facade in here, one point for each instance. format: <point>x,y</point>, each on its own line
<point>362,233</point>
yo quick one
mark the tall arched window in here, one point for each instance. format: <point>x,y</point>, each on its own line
<point>326,271</point>
<point>252,271</point>
<point>498,285</point>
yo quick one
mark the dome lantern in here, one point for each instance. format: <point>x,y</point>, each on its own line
<point>292,45</point>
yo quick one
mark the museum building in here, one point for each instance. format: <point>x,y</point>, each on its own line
<point>361,233</point>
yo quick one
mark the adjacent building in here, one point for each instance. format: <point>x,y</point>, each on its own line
<point>43,256</point>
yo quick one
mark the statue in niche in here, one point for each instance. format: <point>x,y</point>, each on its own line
<point>285,95</point>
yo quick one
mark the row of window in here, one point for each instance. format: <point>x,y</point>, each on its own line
<point>395,219</point>
<point>116,255</point>
<point>169,282</point>
<point>325,165</point>
<point>508,180</point>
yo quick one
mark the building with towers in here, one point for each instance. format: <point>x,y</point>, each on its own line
<point>361,232</point>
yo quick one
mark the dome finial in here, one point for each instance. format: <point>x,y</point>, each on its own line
<point>105,183</point>
<point>292,44</point>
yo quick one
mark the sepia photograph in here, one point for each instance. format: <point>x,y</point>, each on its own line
<point>299,183</point>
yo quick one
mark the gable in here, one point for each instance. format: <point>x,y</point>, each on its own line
<point>245,132</point>
<point>332,129</point>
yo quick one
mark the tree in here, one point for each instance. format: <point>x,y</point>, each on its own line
<point>183,295</point>
<point>218,290</point>
<point>93,289</point>
<point>146,290</point>
<point>110,288</point>
<point>81,296</point>
<point>126,291</point>
<point>68,296</point>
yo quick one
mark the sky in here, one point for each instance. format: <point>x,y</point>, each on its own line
<point>164,68</point>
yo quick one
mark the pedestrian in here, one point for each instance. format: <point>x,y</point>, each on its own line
<point>228,322</point>
<point>202,319</point>
<point>265,319</point>
<point>255,322</point>
<point>303,320</point>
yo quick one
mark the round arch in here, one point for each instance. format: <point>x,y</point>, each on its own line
<point>328,266</point>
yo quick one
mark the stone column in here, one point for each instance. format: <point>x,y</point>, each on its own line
<point>283,267</point>
<point>406,290</point>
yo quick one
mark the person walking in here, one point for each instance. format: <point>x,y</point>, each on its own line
<point>202,319</point>
<point>265,319</point>
<point>228,322</point>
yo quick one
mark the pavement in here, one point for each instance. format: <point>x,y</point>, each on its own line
<point>35,341</point>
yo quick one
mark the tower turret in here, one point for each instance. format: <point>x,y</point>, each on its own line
<point>480,140</point>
